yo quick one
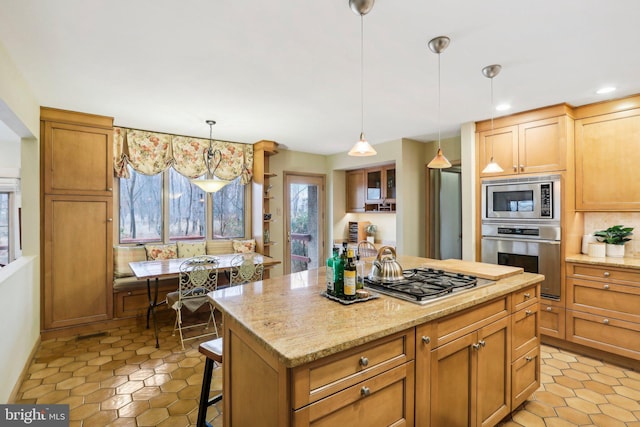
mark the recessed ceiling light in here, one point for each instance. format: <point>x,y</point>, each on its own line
<point>607,89</point>
<point>503,107</point>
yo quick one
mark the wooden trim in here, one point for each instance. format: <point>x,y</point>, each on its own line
<point>606,107</point>
<point>25,369</point>
<point>74,117</point>
<point>527,116</point>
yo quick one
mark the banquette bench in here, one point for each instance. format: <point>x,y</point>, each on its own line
<point>130,294</point>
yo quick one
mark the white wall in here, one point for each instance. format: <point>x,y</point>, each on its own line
<point>20,280</point>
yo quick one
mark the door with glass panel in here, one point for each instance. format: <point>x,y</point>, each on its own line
<point>304,221</point>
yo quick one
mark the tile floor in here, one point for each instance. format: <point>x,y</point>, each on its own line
<point>121,379</point>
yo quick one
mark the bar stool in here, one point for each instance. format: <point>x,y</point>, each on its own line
<point>213,350</point>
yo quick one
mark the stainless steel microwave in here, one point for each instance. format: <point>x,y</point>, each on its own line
<point>522,198</point>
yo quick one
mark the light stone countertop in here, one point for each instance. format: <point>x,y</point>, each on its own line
<point>631,263</point>
<point>289,318</point>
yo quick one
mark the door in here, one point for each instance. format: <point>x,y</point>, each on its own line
<point>304,221</point>
<point>443,219</point>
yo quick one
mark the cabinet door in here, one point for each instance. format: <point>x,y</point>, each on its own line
<point>453,382</point>
<point>424,345</point>
<point>355,191</point>
<point>607,154</point>
<point>374,189</point>
<point>77,160</point>
<point>390,184</point>
<point>503,143</point>
<point>525,376</point>
<point>78,260</point>
<point>493,391</point>
<point>552,321</point>
<point>542,145</point>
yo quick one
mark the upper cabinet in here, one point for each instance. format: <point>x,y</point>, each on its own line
<point>607,149</point>
<point>372,190</point>
<point>526,143</point>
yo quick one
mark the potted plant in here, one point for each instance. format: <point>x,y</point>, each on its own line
<point>371,232</point>
<point>615,237</point>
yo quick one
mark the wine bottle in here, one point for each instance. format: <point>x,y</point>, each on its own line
<point>350,277</point>
<point>330,273</point>
<point>338,275</point>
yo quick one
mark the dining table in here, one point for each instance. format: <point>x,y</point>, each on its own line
<point>163,268</point>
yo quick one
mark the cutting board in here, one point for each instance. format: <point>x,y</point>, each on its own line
<point>479,269</point>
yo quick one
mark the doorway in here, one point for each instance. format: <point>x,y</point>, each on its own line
<point>304,221</point>
<point>444,213</point>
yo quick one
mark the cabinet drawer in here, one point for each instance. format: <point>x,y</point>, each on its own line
<point>604,273</point>
<point>525,376</point>
<point>384,400</point>
<point>326,376</point>
<point>134,302</point>
<point>552,321</point>
<point>604,333</point>
<point>605,299</point>
<point>457,325</point>
<point>525,330</point>
<point>524,297</point>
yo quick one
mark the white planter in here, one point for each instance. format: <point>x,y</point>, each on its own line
<point>615,251</point>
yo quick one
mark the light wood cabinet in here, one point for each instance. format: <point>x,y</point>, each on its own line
<point>532,147</point>
<point>355,190</point>
<point>607,151</point>
<point>552,320</point>
<point>77,226</point>
<point>262,196</point>
<point>602,308</point>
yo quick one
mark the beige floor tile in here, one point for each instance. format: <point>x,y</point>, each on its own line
<point>559,390</point>
<point>540,409</point>
<point>550,398</point>
<point>631,383</point>
<point>133,409</point>
<point>628,392</point>
<point>617,412</point>
<point>591,396</point>
<point>152,417</point>
<point>603,420</point>
<point>623,402</point>
<point>568,382</point>
<point>528,419</point>
<point>558,422</point>
<point>573,416</point>
<point>582,405</point>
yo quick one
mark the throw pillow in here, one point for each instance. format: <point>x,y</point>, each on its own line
<point>123,255</point>
<point>243,246</point>
<point>155,252</point>
<point>191,249</point>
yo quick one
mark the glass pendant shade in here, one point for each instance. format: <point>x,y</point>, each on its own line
<point>490,72</point>
<point>439,161</point>
<point>362,148</point>
<point>211,184</point>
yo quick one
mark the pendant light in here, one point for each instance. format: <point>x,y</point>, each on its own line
<point>438,45</point>
<point>490,71</point>
<point>362,147</point>
<point>211,184</point>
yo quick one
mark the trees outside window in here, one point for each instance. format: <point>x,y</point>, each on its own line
<point>228,211</point>
<point>187,208</point>
<point>140,208</point>
<point>4,229</point>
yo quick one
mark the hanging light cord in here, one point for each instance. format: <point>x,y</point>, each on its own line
<point>361,76</point>
<point>439,100</point>
<point>492,135</point>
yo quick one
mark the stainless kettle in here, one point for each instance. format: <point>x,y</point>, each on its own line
<point>385,267</point>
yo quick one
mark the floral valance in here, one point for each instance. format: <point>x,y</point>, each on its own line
<point>151,153</point>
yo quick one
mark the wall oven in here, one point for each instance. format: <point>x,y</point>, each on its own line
<point>535,248</point>
<point>524,198</point>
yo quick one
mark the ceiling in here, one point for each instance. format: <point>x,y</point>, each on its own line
<point>289,71</point>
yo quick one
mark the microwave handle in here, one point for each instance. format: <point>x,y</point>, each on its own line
<point>548,242</point>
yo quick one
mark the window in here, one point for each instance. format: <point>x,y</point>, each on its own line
<point>9,220</point>
<point>186,208</point>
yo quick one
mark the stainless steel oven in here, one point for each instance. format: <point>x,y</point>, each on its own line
<point>535,248</point>
<point>523,198</point>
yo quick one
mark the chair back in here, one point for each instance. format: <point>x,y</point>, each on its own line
<point>198,276</point>
<point>366,249</point>
<point>245,269</point>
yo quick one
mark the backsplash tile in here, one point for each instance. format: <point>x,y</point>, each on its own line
<point>594,221</point>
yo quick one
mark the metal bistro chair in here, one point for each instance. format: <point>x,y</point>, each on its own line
<point>244,269</point>
<point>366,249</point>
<point>198,276</point>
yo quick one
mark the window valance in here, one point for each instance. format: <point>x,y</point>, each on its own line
<point>151,153</point>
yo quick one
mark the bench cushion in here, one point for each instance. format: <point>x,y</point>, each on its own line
<point>168,251</point>
<point>123,255</point>
<point>191,249</point>
<point>244,246</point>
<point>219,247</point>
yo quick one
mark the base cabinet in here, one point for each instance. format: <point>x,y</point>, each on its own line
<point>525,376</point>
<point>552,320</point>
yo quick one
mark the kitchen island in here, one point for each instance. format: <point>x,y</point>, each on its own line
<point>293,357</point>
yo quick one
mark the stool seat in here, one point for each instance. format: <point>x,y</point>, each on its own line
<point>213,351</point>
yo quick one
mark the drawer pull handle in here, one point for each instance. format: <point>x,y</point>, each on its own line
<point>426,340</point>
<point>365,391</point>
<point>606,286</point>
<point>109,219</point>
<point>528,358</point>
<point>607,274</point>
<point>605,321</point>
<point>522,168</point>
<point>482,343</point>
<point>549,308</point>
<point>364,361</point>
<point>528,313</point>
<point>515,168</point>
<point>527,295</point>
<point>109,189</point>
<point>475,346</point>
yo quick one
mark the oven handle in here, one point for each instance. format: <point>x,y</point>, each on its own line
<point>511,239</point>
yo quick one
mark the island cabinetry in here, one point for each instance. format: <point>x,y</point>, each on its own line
<point>369,385</point>
<point>521,144</point>
<point>602,308</point>
<point>608,136</point>
<point>525,345</point>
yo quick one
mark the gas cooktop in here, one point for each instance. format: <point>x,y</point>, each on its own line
<point>424,285</point>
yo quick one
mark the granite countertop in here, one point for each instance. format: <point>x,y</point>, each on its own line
<point>632,263</point>
<point>291,320</point>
